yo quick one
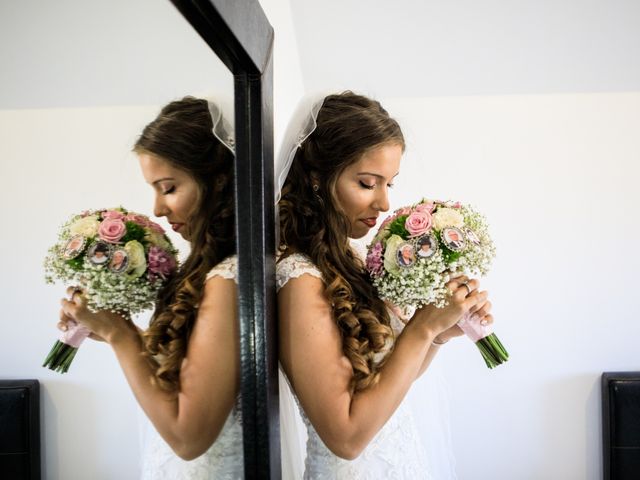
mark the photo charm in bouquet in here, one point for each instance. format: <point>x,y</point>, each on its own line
<point>117,259</point>
<point>427,246</point>
<point>419,248</point>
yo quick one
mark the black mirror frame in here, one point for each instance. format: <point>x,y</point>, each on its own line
<point>242,37</point>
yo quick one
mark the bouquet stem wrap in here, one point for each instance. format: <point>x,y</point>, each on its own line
<point>65,348</point>
<point>492,350</point>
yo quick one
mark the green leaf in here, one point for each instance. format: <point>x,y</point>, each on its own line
<point>397,227</point>
<point>134,232</point>
<point>76,263</point>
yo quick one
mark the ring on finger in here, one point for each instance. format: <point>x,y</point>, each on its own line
<point>468,288</point>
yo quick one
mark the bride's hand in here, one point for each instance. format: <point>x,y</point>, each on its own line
<point>103,324</point>
<point>465,298</point>
<point>480,312</point>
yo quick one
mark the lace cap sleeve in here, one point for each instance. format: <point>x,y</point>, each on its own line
<point>227,268</point>
<point>294,266</point>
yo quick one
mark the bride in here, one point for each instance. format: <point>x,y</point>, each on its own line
<point>348,359</point>
<point>184,368</point>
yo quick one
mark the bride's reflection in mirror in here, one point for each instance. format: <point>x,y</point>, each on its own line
<point>187,378</point>
<point>169,154</point>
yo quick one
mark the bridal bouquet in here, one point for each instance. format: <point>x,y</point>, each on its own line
<point>119,258</point>
<point>419,248</point>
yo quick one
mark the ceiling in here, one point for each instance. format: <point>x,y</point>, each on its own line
<point>81,53</point>
<point>416,48</point>
<point>65,53</point>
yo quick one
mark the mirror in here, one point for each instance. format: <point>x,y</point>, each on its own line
<point>80,80</point>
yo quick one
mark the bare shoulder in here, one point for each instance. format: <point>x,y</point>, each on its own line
<point>309,336</point>
<point>303,297</point>
<point>219,301</point>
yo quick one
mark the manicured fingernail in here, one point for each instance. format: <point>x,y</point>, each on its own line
<point>483,322</point>
<point>64,328</point>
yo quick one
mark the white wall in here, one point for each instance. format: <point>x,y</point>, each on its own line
<point>55,163</point>
<point>287,82</point>
<point>556,176</point>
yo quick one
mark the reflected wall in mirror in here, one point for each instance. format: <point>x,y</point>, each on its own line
<point>80,82</point>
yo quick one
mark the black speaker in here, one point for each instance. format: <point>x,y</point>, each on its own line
<point>19,429</point>
<point>621,425</point>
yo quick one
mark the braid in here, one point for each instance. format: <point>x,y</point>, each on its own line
<point>182,136</point>
<point>312,223</point>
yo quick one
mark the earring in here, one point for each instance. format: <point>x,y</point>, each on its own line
<point>316,187</point>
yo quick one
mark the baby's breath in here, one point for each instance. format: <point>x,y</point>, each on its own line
<point>424,282</point>
<point>103,288</point>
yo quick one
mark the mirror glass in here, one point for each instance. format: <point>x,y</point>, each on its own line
<point>79,82</point>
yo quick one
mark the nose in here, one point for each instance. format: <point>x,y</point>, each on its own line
<point>159,206</point>
<point>382,200</point>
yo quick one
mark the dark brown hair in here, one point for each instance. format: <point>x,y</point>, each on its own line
<point>182,135</point>
<point>348,126</point>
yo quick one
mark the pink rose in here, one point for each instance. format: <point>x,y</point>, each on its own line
<point>425,207</point>
<point>112,215</point>
<point>155,227</point>
<point>403,211</point>
<point>112,230</point>
<point>387,221</point>
<point>418,223</point>
<point>141,220</point>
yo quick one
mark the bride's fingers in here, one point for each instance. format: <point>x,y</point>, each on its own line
<point>65,321</point>
<point>486,320</point>
<point>454,284</point>
<point>72,290</point>
<point>476,299</point>
<point>481,309</point>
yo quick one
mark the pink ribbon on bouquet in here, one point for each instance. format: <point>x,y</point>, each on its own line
<point>473,329</point>
<point>75,334</point>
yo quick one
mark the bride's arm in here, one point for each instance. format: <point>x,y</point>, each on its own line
<point>209,377</point>
<point>311,355</point>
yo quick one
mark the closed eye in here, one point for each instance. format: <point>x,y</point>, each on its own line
<point>169,190</point>
<point>367,186</point>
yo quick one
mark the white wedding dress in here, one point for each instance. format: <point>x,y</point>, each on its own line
<point>223,461</point>
<point>396,452</point>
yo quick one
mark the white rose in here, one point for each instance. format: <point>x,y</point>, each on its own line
<point>391,253</point>
<point>157,239</point>
<point>87,226</point>
<point>137,260</point>
<point>447,217</point>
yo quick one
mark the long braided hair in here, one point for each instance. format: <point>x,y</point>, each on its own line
<point>312,222</point>
<point>182,135</point>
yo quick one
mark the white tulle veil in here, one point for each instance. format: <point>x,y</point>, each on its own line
<point>427,398</point>
<point>293,434</point>
<point>222,116</point>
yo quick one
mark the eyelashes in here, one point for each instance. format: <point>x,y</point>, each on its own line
<point>169,190</point>
<point>371,187</point>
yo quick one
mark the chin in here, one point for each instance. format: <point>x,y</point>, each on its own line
<point>357,233</point>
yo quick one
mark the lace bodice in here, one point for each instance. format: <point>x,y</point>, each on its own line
<point>396,452</point>
<point>223,460</point>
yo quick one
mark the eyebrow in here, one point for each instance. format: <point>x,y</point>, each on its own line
<point>375,174</point>
<point>164,179</point>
